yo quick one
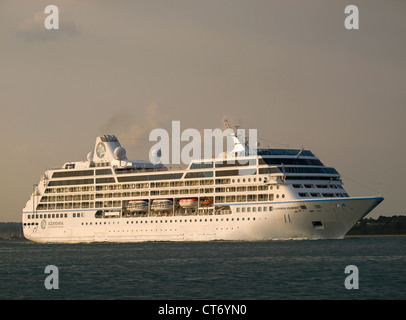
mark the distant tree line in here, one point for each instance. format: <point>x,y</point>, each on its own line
<point>395,225</point>
<point>11,230</point>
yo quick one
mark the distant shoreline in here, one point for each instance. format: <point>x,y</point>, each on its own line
<point>373,235</point>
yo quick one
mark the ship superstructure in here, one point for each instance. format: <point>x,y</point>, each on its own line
<point>273,194</point>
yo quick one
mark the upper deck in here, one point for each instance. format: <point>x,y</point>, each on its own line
<point>108,163</point>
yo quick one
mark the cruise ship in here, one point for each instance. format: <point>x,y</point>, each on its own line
<point>277,194</point>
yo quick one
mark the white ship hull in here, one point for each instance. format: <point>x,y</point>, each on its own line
<point>302,219</point>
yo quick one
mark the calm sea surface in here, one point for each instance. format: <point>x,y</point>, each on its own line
<point>303,269</point>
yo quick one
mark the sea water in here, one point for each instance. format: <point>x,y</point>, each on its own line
<point>217,270</point>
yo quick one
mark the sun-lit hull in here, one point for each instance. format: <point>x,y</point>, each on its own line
<point>287,220</point>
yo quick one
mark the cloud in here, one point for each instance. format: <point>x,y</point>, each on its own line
<point>33,29</point>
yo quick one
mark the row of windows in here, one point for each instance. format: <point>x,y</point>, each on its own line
<point>247,198</point>
<point>66,205</point>
<point>53,215</point>
<point>182,191</point>
<point>97,164</point>
<point>255,209</point>
<point>323,170</point>
<point>98,188</point>
<point>167,184</point>
<point>80,181</point>
<point>137,186</point>
<point>65,215</point>
<point>246,180</point>
<point>290,161</point>
<point>122,194</point>
<point>237,163</point>
<point>141,168</point>
<point>191,220</point>
<point>80,197</point>
<point>327,178</point>
<point>79,205</point>
<point>76,197</point>
<point>80,173</point>
<point>174,221</point>
<point>284,152</point>
<point>242,188</point>
<point>44,205</point>
<point>105,180</point>
<point>158,185</point>
<point>132,186</point>
<point>266,160</point>
<point>155,193</point>
<point>70,182</point>
<point>203,174</point>
<point>223,181</point>
<point>321,186</point>
<point>237,172</point>
<point>123,186</point>
<point>146,185</point>
<point>326,195</point>
<point>269,170</point>
<point>167,176</point>
<point>202,165</point>
<point>69,189</point>
<point>224,164</point>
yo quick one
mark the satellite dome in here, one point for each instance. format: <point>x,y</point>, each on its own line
<point>120,153</point>
<point>90,156</point>
<point>155,156</point>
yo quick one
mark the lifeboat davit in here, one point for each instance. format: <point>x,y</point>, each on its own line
<point>161,204</point>
<point>189,203</point>
<point>137,206</point>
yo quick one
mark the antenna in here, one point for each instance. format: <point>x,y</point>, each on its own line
<point>227,124</point>
<point>300,152</point>
<point>34,193</point>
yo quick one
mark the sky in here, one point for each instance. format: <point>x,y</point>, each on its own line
<point>288,68</point>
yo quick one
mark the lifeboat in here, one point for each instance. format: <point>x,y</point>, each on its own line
<point>137,206</point>
<point>161,205</point>
<point>206,202</point>
<point>188,203</point>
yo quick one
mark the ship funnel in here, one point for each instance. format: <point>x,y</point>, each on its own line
<point>107,148</point>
